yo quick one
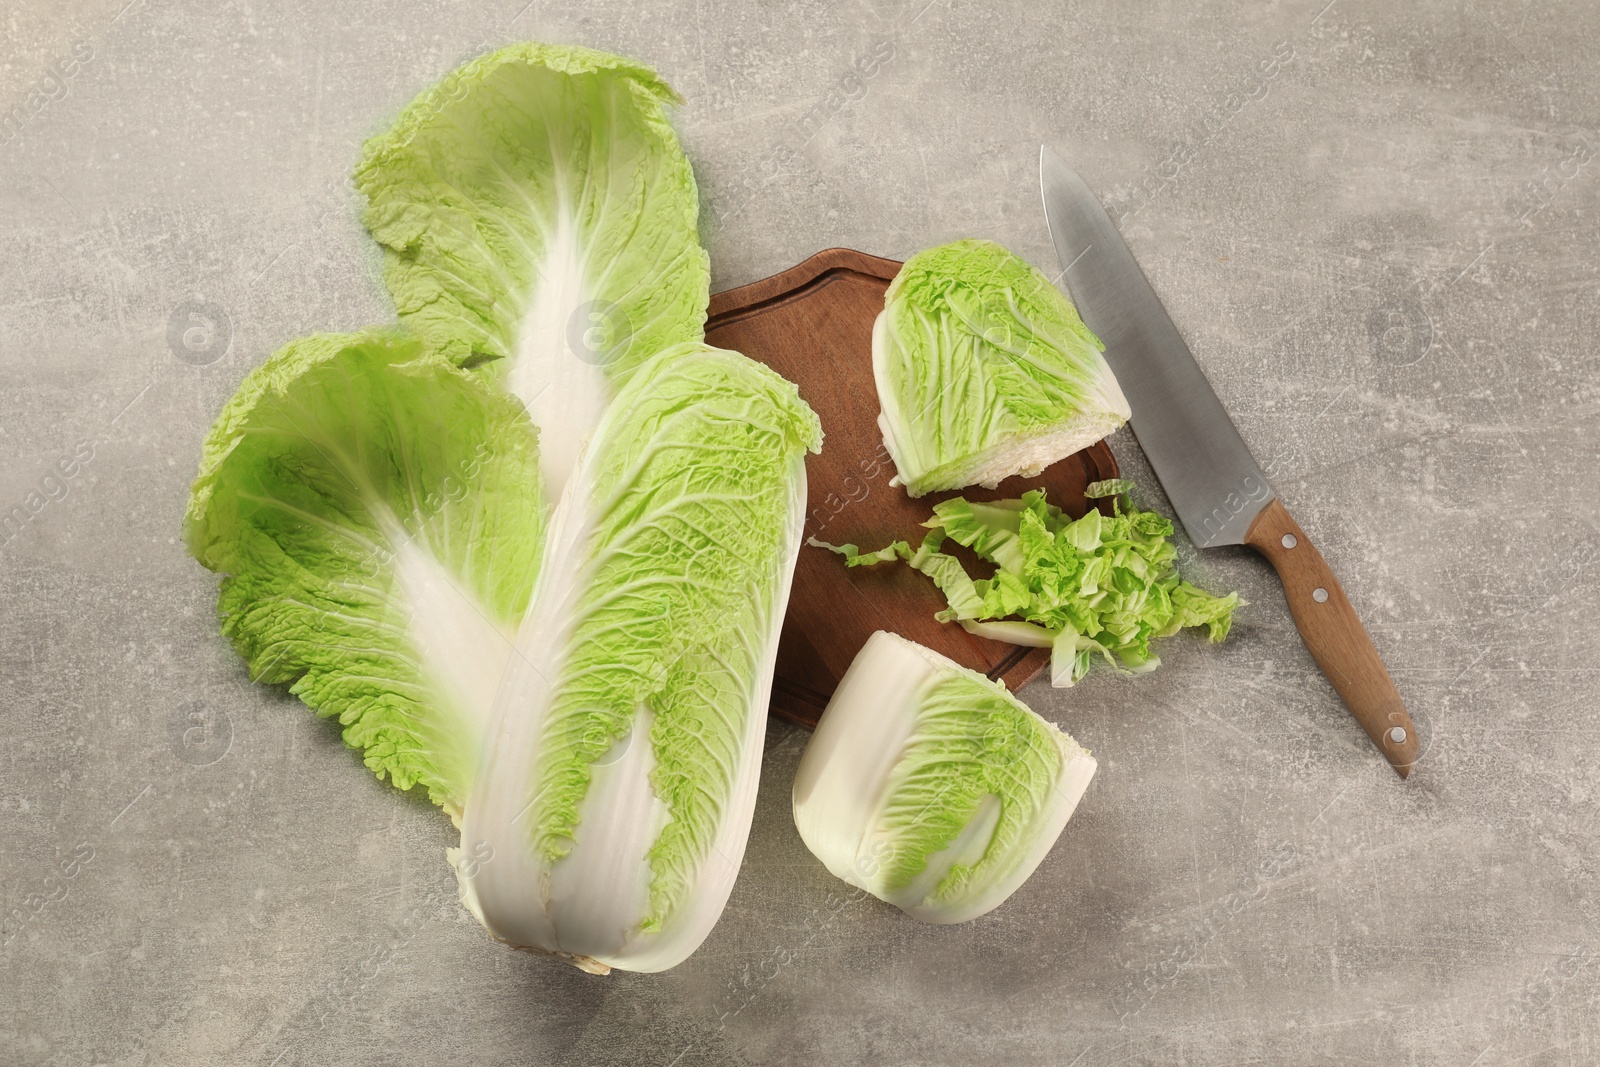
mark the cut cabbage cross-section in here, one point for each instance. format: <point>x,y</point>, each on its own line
<point>930,786</point>
<point>984,370</point>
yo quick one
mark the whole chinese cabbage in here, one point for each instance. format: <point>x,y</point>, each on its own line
<point>622,763</point>
<point>984,370</point>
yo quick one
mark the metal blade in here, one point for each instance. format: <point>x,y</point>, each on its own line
<point>1209,475</point>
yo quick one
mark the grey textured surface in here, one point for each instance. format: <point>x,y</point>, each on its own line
<point>1382,252</point>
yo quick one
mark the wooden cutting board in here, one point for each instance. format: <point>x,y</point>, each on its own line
<point>813,325</point>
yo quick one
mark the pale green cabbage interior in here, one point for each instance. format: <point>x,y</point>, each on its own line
<point>971,740</point>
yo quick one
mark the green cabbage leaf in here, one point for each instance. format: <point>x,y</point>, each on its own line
<point>539,220</point>
<point>377,519</point>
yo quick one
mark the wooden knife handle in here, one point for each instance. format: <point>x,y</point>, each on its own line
<point>1334,635</point>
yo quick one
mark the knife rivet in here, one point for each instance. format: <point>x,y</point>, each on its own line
<point>1320,595</point>
<point>1398,735</point>
<point>1289,540</point>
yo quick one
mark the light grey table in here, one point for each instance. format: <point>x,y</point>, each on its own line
<point>1382,251</point>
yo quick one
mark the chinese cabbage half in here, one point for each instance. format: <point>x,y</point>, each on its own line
<point>984,370</point>
<point>932,787</point>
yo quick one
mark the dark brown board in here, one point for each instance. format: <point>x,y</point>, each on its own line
<point>813,324</point>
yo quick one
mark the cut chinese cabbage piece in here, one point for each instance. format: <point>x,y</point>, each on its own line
<point>1103,585</point>
<point>984,370</point>
<point>377,520</point>
<point>621,770</point>
<point>930,786</point>
<point>539,217</point>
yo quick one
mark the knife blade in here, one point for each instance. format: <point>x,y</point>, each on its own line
<point>1218,490</point>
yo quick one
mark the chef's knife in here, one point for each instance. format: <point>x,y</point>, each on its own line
<point>1212,480</point>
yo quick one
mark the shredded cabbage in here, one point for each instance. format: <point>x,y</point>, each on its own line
<point>1098,585</point>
